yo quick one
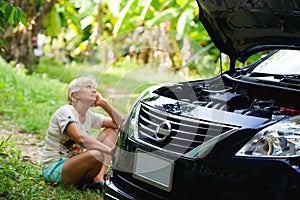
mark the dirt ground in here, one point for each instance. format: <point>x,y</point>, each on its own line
<point>30,144</point>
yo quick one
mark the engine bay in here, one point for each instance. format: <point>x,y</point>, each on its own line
<point>242,95</point>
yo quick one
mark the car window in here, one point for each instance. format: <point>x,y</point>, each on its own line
<point>282,62</point>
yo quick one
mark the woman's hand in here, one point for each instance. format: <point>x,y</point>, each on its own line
<point>100,101</point>
<point>115,115</point>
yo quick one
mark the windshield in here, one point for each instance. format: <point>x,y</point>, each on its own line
<point>282,62</point>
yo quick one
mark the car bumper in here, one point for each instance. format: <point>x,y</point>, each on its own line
<point>114,193</point>
<point>123,189</point>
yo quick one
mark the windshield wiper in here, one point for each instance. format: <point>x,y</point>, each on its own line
<point>295,79</point>
<point>286,78</point>
<point>277,76</point>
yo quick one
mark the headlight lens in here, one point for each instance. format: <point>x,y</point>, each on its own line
<point>134,112</point>
<point>279,140</point>
<point>133,121</point>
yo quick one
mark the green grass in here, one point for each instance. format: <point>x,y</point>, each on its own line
<point>21,179</point>
<point>27,102</point>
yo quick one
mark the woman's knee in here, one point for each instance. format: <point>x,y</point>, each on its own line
<point>110,131</point>
<point>97,155</point>
<point>101,158</point>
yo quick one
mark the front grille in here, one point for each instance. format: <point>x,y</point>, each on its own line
<point>185,133</point>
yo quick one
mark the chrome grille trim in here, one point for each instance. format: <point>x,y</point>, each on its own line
<point>186,133</point>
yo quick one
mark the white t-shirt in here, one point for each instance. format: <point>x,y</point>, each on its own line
<point>57,143</point>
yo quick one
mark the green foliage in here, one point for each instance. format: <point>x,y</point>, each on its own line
<point>12,15</point>
<point>125,15</point>
<point>161,17</point>
<point>80,27</point>
<point>28,101</point>
<point>182,15</point>
<point>53,69</point>
<point>70,25</point>
<point>5,147</point>
<point>53,23</point>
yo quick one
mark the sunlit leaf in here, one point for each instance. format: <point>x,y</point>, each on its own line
<point>184,22</point>
<point>124,15</point>
<point>53,23</point>
<point>8,11</point>
<point>22,17</point>
<point>145,9</point>
<point>160,17</point>
<point>180,2</point>
<point>3,5</point>
<point>17,15</point>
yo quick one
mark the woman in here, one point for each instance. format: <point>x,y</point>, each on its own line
<point>70,155</point>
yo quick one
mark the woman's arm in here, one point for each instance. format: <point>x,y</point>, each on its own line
<point>85,140</point>
<point>116,116</point>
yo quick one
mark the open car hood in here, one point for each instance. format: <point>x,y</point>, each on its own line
<point>240,28</point>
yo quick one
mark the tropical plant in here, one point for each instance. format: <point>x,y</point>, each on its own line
<point>11,15</point>
<point>17,38</point>
<point>161,32</point>
<point>156,32</point>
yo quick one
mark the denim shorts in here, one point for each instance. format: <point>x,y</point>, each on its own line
<point>52,173</point>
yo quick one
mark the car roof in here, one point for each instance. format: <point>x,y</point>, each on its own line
<point>240,28</point>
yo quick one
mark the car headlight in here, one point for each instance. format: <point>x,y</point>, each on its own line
<point>132,118</point>
<point>279,140</point>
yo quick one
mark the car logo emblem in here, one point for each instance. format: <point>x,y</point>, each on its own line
<point>163,131</point>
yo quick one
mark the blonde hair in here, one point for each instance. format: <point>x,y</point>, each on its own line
<point>76,85</point>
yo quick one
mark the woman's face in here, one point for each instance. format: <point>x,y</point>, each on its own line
<point>87,93</point>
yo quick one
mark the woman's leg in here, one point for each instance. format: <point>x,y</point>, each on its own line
<point>83,167</point>
<point>109,137</point>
